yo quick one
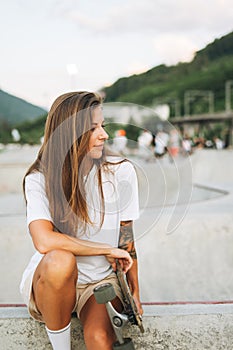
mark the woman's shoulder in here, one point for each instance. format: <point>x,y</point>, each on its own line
<point>34,179</point>
<point>120,165</point>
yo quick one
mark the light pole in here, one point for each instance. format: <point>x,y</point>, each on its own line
<point>228,85</point>
<point>72,71</point>
<point>186,102</point>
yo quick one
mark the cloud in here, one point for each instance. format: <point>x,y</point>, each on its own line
<point>140,17</point>
<point>171,48</point>
<point>176,28</point>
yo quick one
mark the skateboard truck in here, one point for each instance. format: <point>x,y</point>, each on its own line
<point>104,294</point>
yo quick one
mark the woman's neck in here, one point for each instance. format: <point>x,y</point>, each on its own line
<point>87,166</point>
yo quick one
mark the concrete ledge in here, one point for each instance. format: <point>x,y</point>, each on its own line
<point>175,327</point>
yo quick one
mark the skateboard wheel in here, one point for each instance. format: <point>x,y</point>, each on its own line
<point>104,293</point>
<point>127,345</point>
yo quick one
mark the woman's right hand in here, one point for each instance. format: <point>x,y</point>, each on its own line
<point>123,258</point>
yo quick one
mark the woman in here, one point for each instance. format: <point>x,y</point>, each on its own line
<point>80,211</point>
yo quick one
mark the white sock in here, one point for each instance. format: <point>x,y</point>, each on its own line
<point>60,339</point>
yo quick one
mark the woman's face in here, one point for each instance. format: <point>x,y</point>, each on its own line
<point>98,134</point>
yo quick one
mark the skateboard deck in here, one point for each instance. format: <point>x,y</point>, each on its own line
<point>130,308</point>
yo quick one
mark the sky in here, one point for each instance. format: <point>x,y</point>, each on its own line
<point>49,47</point>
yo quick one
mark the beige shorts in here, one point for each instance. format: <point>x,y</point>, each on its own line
<point>83,293</point>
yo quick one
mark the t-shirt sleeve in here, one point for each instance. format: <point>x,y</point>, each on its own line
<point>128,189</point>
<point>37,201</point>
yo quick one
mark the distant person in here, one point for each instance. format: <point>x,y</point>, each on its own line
<point>174,143</point>
<point>187,145</point>
<point>161,143</point>
<point>79,223</point>
<point>199,142</point>
<point>15,135</point>
<point>219,143</point>
<point>209,144</point>
<point>144,143</point>
<point>42,139</point>
<point>120,141</point>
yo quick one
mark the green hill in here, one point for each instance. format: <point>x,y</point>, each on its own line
<point>209,70</point>
<point>14,110</point>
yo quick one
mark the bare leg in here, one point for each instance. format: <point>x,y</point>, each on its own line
<point>54,288</point>
<point>98,331</point>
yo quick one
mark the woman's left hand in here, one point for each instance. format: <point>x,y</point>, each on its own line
<point>123,257</point>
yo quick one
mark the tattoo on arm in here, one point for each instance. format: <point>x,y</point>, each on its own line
<point>126,239</point>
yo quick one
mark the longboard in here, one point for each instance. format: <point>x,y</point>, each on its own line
<point>130,308</point>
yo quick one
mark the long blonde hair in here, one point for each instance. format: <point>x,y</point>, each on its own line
<point>66,141</point>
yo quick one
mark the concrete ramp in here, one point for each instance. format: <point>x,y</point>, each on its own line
<point>174,328</point>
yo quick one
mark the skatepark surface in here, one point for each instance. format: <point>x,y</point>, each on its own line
<point>192,261</point>
<point>184,241</point>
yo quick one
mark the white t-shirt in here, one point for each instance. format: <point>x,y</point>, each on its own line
<point>120,191</point>
<point>161,142</point>
<point>119,143</point>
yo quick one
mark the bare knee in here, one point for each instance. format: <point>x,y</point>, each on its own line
<point>99,338</point>
<point>59,267</point>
